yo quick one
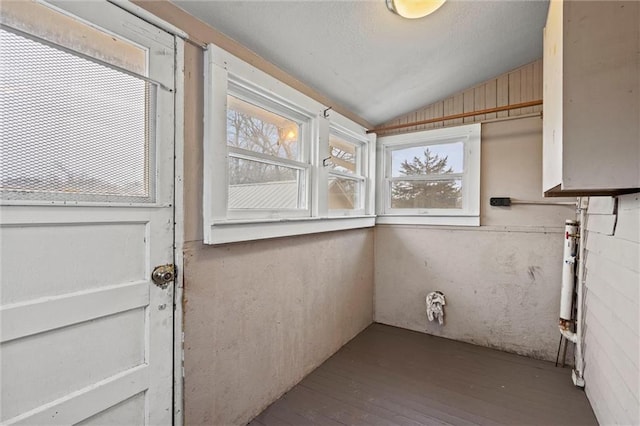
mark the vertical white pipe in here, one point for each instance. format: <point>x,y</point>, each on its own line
<point>568,273</point>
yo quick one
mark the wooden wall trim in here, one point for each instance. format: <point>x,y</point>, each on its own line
<point>518,86</point>
<point>472,113</point>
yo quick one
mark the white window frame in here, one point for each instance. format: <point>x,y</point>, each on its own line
<point>365,169</point>
<point>256,96</point>
<point>226,74</point>
<point>469,214</point>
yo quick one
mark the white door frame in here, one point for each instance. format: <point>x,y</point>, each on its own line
<point>178,230</point>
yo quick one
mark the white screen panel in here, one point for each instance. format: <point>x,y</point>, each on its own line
<point>72,129</point>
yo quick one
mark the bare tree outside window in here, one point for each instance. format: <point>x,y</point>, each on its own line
<point>263,142</point>
<point>260,134</point>
<point>342,155</point>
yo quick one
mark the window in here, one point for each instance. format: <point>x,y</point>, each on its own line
<point>430,177</point>
<point>276,163</point>
<point>346,181</point>
<point>268,151</point>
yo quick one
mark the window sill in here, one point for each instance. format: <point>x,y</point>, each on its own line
<point>236,231</point>
<point>428,220</point>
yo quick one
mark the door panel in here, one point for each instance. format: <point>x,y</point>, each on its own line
<point>39,243</point>
<point>85,335</point>
<point>130,411</point>
<point>80,355</point>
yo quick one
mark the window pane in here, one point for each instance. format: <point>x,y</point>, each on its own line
<point>444,194</point>
<point>71,128</point>
<point>344,194</point>
<point>343,155</point>
<point>256,129</point>
<point>428,160</point>
<point>257,185</point>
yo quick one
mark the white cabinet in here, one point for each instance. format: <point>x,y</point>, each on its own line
<point>591,127</point>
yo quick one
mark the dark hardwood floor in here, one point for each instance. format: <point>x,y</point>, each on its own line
<point>391,376</point>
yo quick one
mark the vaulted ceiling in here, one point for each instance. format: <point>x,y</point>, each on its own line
<point>378,64</point>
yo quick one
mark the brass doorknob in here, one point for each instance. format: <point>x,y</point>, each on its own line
<point>163,275</point>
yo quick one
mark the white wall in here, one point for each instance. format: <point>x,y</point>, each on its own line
<point>501,280</point>
<point>612,322</point>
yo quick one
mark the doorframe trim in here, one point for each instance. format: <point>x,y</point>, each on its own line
<point>149,17</point>
<point>178,232</point>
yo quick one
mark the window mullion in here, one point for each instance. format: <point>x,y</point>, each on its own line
<point>264,158</point>
<point>215,167</point>
<point>320,182</point>
<point>344,175</point>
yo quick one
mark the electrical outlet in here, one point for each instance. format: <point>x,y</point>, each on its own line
<point>500,201</point>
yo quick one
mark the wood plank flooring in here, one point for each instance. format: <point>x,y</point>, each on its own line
<point>391,376</point>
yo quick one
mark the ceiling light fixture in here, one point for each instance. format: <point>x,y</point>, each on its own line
<point>413,9</point>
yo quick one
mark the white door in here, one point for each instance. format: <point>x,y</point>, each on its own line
<point>86,181</point>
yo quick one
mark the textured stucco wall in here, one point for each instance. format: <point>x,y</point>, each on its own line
<point>501,280</point>
<point>259,316</point>
<point>502,287</point>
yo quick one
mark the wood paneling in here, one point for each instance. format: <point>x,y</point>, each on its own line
<point>520,85</point>
<point>391,376</point>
